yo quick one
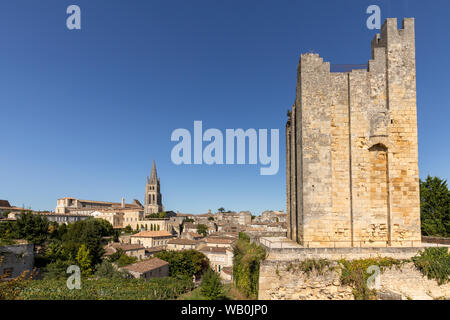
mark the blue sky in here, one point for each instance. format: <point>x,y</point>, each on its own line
<point>85,112</point>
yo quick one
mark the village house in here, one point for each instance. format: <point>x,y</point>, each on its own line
<point>271,216</point>
<point>151,238</point>
<point>147,269</point>
<point>219,257</point>
<point>190,227</point>
<point>222,242</point>
<point>181,244</point>
<point>229,227</point>
<point>227,274</point>
<point>191,236</point>
<point>131,250</point>
<point>243,218</point>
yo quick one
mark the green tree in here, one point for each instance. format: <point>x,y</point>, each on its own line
<point>211,219</point>
<point>121,258</point>
<point>88,232</point>
<point>56,269</point>
<point>55,251</point>
<point>125,260</point>
<point>116,255</point>
<point>434,263</point>
<point>211,287</point>
<point>202,229</point>
<point>106,228</point>
<point>221,209</point>
<point>8,230</point>
<point>32,227</point>
<point>107,270</point>
<point>84,260</point>
<point>184,262</point>
<point>435,207</point>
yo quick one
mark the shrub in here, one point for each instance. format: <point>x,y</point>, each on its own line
<point>309,265</point>
<point>354,273</point>
<point>57,269</point>
<point>211,287</point>
<point>434,263</point>
<point>125,260</point>
<point>84,261</point>
<point>246,261</point>
<point>107,270</point>
<point>202,229</point>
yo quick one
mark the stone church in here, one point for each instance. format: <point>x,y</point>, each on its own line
<point>351,149</point>
<point>153,198</point>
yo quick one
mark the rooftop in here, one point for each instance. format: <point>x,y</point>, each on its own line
<point>4,203</point>
<point>221,240</point>
<point>154,249</point>
<point>183,241</point>
<point>146,265</point>
<point>227,270</point>
<point>152,234</point>
<point>195,235</point>
<point>113,247</point>
<point>219,250</point>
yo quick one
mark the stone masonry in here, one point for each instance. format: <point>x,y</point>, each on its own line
<point>153,198</point>
<point>282,280</point>
<point>351,149</point>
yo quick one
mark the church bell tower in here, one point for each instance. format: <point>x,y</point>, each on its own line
<point>153,199</point>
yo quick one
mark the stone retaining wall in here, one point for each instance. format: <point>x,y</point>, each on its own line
<point>278,281</point>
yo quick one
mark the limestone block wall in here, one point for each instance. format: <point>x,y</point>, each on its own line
<point>352,159</point>
<point>279,280</point>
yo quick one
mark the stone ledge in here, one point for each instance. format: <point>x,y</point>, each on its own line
<point>290,254</point>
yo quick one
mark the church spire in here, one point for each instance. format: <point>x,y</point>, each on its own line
<point>153,174</point>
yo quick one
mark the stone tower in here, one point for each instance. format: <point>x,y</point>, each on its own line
<point>153,199</point>
<point>351,149</point>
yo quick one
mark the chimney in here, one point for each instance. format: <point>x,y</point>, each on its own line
<point>123,202</point>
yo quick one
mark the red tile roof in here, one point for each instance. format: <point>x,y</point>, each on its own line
<point>146,265</point>
<point>183,241</point>
<point>152,234</point>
